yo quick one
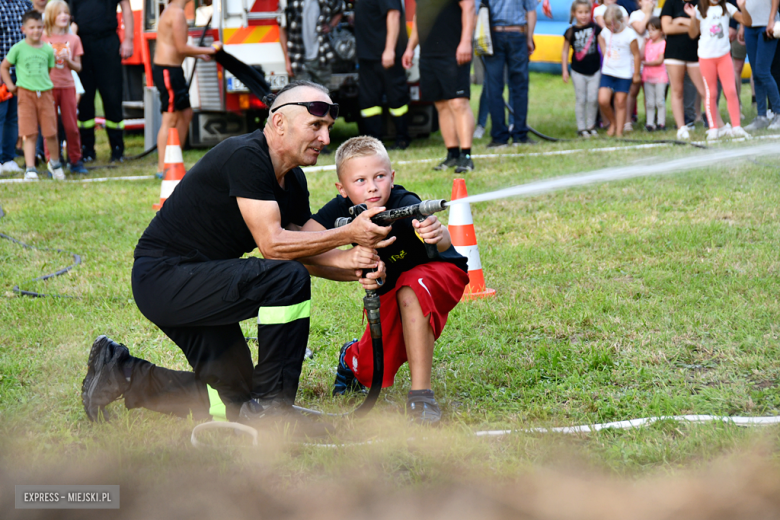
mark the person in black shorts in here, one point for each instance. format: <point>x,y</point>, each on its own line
<point>444,30</point>
<point>379,67</point>
<point>189,277</point>
<point>169,52</point>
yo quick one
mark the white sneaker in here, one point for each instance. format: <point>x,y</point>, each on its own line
<point>479,132</point>
<point>775,124</point>
<point>11,167</point>
<point>759,123</point>
<point>713,134</point>
<point>682,133</point>
<point>31,175</point>
<point>738,131</point>
<point>725,130</point>
<point>56,171</point>
<point>594,132</point>
<point>769,114</point>
<point>628,127</point>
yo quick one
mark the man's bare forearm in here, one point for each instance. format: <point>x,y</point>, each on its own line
<point>294,245</point>
<point>393,24</point>
<point>332,273</point>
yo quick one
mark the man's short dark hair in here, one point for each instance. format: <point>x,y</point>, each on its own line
<point>270,99</point>
<point>32,14</point>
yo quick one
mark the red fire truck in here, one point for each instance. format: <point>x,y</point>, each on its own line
<point>249,29</point>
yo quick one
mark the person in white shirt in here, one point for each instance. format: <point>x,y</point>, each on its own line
<point>619,69</point>
<point>711,20</point>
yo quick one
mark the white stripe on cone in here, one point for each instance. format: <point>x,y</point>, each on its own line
<point>472,255</point>
<point>173,155</point>
<point>460,215</point>
<point>167,188</point>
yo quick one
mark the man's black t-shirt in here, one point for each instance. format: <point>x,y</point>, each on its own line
<point>371,28</point>
<point>202,212</point>
<point>584,42</point>
<point>94,17</point>
<point>407,251</point>
<point>439,26</point>
<point>680,46</point>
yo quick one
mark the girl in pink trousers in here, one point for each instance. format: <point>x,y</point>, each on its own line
<point>711,20</point>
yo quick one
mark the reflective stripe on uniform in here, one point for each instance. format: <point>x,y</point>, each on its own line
<point>282,315</point>
<point>114,125</point>
<point>216,406</point>
<point>87,124</point>
<point>371,112</point>
<point>398,112</point>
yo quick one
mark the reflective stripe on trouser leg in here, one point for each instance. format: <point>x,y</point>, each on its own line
<point>217,408</point>
<point>113,125</point>
<point>282,335</point>
<point>398,112</point>
<point>371,111</point>
<point>87,124</point>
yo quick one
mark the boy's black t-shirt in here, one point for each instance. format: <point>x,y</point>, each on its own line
<point>584,42</point>
<point>439,26</point>
<point>407,251</point>
<point>202,213</point>
<point>680,46</point>
<point>371,28</point>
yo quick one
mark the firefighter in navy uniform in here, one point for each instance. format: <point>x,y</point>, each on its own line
<point>379,66</point>
<point>101,69</point>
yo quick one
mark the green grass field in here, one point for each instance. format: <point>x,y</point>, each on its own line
<point>652,296</point>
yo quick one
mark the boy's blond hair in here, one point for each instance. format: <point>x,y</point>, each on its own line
<point>50,14</point>
<point>361,146</point>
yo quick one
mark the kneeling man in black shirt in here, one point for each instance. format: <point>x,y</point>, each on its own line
<point>189,277</point>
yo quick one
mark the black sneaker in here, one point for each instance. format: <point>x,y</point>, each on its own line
<point>105,381</point>
<point>496,145</point>
<point>422,408</point>
<point>449,162</point>
<point>87,156</point>
<point>279,414</point>
<point>345,377</point>
<point>465,164</point>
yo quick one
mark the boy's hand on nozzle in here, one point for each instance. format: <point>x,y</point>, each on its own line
<point>430,230</point>
<point>373,280</point>
<point>360,257</point>
<point>368,234</point>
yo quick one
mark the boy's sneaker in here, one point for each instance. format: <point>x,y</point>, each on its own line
<point>594,132</point>
<point>465,164</point>
<point>660,128</point>
<point>495,145</point>
<point>479,132</point>
<point>584,133</point>
<point>422,408</point>
<point>78,167</point>
<point>738,131</point>
<point>683,134</point>
<point>725,130</point>
<point>55,169</point>
<point>650,128</point>
<point>449,162</point>
<point>759,123</point>
<point>345,377</point>
<point>775,124</point>
<point>713,134</point>
<point>31,174</point>
<point>105,381</point>
<point>11,167</point>
<point>279,414</point>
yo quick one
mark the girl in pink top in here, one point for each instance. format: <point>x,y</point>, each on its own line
<point>654,76</point>
<point>68,51</point>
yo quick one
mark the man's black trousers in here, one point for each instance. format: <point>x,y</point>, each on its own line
<point>199,303</point>
<point>101,69</point>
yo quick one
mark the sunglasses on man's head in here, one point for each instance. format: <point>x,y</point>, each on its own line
<point>315,108</point>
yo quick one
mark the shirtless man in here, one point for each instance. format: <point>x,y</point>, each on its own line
<point>169,54</point>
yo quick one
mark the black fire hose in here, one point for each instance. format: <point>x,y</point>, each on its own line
<point>22,292</point>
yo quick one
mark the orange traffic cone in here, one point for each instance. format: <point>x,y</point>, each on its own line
<point>174,167</point>
<point>461,228</point>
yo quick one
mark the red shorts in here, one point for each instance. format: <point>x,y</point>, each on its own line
<point>438,286</point>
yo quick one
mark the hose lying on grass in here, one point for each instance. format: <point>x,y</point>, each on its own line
<point>21,292</point>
